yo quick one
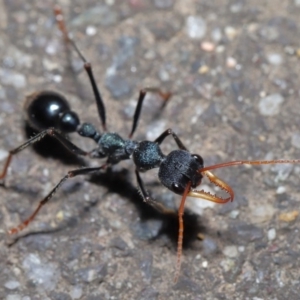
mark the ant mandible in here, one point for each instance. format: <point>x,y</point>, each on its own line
<point>180,171</point>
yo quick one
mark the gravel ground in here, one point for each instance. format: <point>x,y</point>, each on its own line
<point>233,68</point>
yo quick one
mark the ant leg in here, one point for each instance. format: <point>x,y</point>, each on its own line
<point>147,199</point>
<point>70,174</point>
<point>87,65</point>
<point>143,92</point>
<point>208,196</point>
<point>51,132</point>
<point>181,229</point>
<point>168,132</point>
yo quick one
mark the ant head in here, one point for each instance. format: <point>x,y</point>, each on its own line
<point>178,169</point>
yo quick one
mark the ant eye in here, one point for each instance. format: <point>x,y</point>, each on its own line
<point>177,189</point>
<point>198,158</point>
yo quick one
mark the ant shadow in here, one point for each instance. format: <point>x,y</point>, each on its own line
<point>115,182</point>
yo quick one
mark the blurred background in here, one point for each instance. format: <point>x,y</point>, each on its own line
<point>233,70</point>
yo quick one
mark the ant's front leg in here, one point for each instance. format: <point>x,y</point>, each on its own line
<point>48,132</point>
<point>147,198</point>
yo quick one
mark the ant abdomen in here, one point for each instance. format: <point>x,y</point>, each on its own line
<point>48,109</point>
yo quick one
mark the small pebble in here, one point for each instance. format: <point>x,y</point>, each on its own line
<point>195,27</point>
<point>271,234</point>
<point>289,50</point>
<point>207,46</point>
<point>270,105</point>
<point>203,69</point>
<point>216,35</point>
<point>289,216</point>
<point>241,248</point>
<point>230,32</point>
<point>234,214</point>
<point>230,251</point>
<point>91,30</point>
<point>205,264</point>
<point>263,212</point>
<point>275,59</point>
<point>12,284</point>
<point>280,190</point>
<point>231,62</point>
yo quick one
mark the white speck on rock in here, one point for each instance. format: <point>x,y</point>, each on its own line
<point>216,35</point>
<point>205,264</point>
<point>230,32</point>
<point>44,275</point>
<point>270,105</point>
<point>271,234</point>
<point>91,30</point>
<point>275,59</point>
<point>234,213</point>
<point>280,190</point>
<point>195,27</point>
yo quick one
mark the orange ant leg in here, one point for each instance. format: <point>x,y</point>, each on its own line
<point>208,196</point>
<point>70,174</point>
<point>181,229</point>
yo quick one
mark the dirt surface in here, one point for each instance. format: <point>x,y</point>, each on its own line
<point>233,68</point>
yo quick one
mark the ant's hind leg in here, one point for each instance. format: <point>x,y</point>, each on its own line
<point>70,174</point>
<point>147,198</point>
<point>50,132</point>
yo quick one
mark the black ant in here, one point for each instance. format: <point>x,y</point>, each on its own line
<point>180,171</point>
